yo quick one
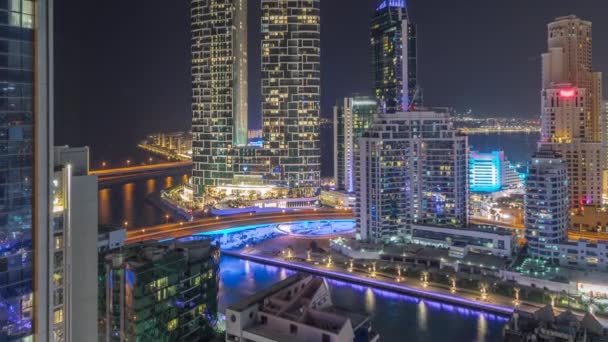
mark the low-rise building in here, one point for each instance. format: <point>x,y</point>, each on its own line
<point>544,325</point>
<point>337,199</point>
<point>480,239</point>
<point>298,308</point>
<point>584,254</point>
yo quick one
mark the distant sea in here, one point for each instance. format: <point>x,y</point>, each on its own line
<point>518,147</point>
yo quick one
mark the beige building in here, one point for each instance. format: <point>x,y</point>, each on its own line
<point>571,119</point>
<point>296,309</point>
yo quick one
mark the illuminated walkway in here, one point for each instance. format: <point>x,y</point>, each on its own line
<point>361,279</point>
<point>235,222</point>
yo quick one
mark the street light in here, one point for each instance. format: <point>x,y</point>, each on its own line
<point>453,288</point>
<point>126,224</point>
<point>103,164</point>
<point>484,291</point>
<point>167,218</point>
<point>517,289</point>
<point>128,162</point>
<point>425,279</point>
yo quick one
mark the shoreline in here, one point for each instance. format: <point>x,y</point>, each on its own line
<point>379,284</point>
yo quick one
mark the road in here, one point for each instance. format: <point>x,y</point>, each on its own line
<point>182,229</point>
<point>177,230</point>
<point>572,235</point>
<point>142,171</point>
<point>505,130</point>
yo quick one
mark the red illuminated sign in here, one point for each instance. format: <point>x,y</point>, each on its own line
<point>567,93</point>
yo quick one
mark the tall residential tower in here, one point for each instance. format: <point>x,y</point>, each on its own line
<point>219,89</point>
<point>291,90</point>
<point>25,169</point>
<point>351,119</point>
<point>547,207</point>
<point>412,169</point>
<point>571,117</point>
<point>394,58</point>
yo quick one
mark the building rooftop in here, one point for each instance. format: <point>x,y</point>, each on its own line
<point>303,299</point>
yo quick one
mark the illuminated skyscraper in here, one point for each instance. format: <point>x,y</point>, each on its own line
<point>411,169</point>
<point>394,58</point>
<point>351,119</point>
<point>547,208</point>
<point>25,169</point>
<point>72,274</point>
<point>571,119</point>
<point>291,90</point>
<point>219,89</point>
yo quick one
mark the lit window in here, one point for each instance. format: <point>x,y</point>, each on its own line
<point>172,325</point>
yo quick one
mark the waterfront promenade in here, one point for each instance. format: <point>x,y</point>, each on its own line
<point>269,253</point>
<point>292,253</point>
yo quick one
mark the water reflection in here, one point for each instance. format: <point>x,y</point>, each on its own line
<point>150,186</point>
<point>370,301</point>
<point>168,182</point>
<point>134,202</point>
<point>128,193</point>
<point>105,212</point>
<point>422,316</point>
<point>396,317</point>
<point>482,328</point>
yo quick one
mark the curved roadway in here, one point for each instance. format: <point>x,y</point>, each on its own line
<point>183,229</point>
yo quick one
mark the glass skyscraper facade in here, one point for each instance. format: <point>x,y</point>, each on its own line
<point>17,56</point>
<point>291,90</point>
<point>394,58</point>
<point>219,89</point>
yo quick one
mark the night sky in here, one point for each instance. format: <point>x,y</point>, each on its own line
<point>122,67</point>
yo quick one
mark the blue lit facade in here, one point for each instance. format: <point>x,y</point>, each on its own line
<point>17,41</point>
<point>485,171</point>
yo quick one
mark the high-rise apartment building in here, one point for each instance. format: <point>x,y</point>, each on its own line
<point>291,90</point>
<point>412,169</point>
<point>571,118</point>
<point>351,119</point>
<point>394,58</point>
<point>160,292</point>
<point>72,274</point>
<point>547,206</point>
<point>219,89</point>
<point>25,169</point>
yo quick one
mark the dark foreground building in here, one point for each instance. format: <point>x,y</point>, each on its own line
<point>160,292</point>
